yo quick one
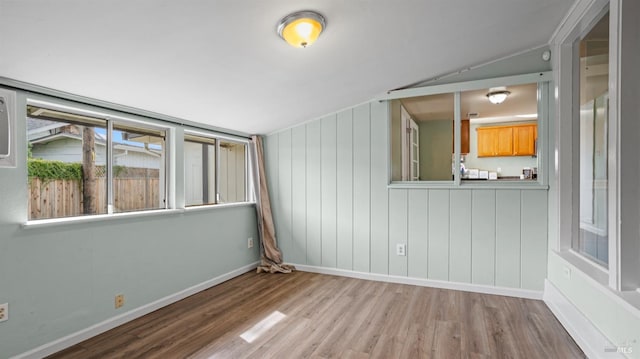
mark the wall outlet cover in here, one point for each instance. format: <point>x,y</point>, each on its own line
<point>4,312</point>
<point>401,249</point>
<point>250,242</point>
<point>119,300</point>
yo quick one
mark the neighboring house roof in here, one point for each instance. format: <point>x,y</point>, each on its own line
<point>58,136</point>
<point>40,125</point>
<point>44,127</point>
<point>117,146</point>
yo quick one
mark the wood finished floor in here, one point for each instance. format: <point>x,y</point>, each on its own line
<point>336,317</point>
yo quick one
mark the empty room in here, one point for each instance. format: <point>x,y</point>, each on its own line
<point>319,179</point>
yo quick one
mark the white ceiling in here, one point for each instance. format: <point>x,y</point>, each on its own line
<point>522,101</point>
<point>221,63</point>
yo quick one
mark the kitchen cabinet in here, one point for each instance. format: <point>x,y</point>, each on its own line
<point>487,141</point>
<point>464,138</point>
<point>514,140</point>
<point>524,140</point>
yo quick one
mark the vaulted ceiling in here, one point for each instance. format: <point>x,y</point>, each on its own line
<point>221,63</point>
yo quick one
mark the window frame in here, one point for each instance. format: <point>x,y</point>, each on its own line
<point>622,273</point>
<point>248,198</point>
<point>112,117</point>
<point>568,114</point>
<point>542,79</point>
<point>215,165</point>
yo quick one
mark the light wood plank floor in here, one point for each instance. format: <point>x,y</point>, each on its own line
<point>336,317</point>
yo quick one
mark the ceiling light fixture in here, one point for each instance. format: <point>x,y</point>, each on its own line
<point>497,96</point>
<point>302,28</point>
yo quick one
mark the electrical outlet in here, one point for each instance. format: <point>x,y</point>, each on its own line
<point>4,312</point>
<point>250,242</point>
<point>567,272</point>
<point>401,249</point>
<point>119,302</point>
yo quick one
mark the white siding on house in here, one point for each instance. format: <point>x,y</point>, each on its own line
<point>193,173</point>
<point>232,174</point>
<point>128,158</point>
<point>66,150</point>
<point>70,150</point>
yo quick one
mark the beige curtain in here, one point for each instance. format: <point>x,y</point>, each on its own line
<point>271,257</point>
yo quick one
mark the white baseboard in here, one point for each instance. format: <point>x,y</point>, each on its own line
<point>467,287</point>
<point>84,334</point>
<point>592,342</point>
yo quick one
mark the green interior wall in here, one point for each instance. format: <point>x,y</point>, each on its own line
<point>436,142</point>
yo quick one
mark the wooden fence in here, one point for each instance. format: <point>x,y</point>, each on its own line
<point>63,198</point>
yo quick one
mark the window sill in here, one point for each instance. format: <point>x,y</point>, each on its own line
<point>41,223</point>
<point>599,278</point>
<point>465,184</point>
<point>217,206</point>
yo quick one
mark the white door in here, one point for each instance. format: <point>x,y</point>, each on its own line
<point>410,149</point>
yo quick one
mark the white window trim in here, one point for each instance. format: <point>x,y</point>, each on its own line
<point>52,222</point>
<point>580,20</point>
<point>247,166</point>
<point>173,125</point>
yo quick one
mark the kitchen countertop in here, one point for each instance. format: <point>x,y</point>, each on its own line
<point>505,178</point>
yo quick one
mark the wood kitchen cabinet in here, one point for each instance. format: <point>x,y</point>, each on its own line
<point>487,141</point>
<point>515,140</point>
<point>464,138</point>
<point>524,140</point>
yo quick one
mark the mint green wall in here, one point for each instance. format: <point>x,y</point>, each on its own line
<point>436,142</point>
<point>62,279</point>
<point>328,182</point>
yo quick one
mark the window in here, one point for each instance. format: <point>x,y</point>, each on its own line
<point>233,165</point>
<point>138,168</point>
<point>199,170</point>
<point>422,138</point>
<point>593,123</point>
<point>80,164</point>
<point>498,141</point>
<point>215,170</point>
<point>502,137</point>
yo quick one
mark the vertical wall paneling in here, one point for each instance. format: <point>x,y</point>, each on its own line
<point>417,245</point>
<point>333,208</point>
<point>438,232</point>
<point>508,238</point>
<point>344,188</point>
<point>534,240</point>
<point>379,192</point>
<point>328,190</point>
<point>398,207</point>
<point>483,236</point>
<point>282,201</point>
<point>460,236</point>
<point>299,195</point>
<point>361,188</point>
<point>314,197</point>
